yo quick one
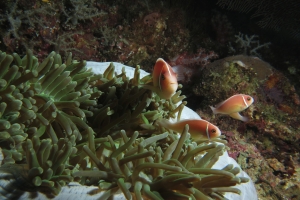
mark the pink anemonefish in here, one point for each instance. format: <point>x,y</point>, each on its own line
<point>164,80</point>
<point>198,128</point>
<point>233,105</point>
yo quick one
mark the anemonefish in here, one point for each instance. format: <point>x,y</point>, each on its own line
<point>164,80</point>
<point>198,128</point>
<point>233,105</point>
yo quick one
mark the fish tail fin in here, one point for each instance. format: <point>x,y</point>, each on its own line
<point>238,116</point>
<point>213,109</point>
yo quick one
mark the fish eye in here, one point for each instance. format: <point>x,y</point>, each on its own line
<point>213,130</point>
<point>163,77</point>
<point>248,98</point>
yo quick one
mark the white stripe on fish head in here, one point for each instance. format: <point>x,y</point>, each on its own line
<point>245,102</point>
<point>168,67</point>
<point>207,133</point>
<point>160,75</point>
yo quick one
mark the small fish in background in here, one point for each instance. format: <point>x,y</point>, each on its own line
<point>164,80</point>
<point>198,128</point>
<point>233,105</point>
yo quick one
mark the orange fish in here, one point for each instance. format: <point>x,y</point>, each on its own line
<point>233,105</point>
<point>164,80</point>
<point>198,128</point>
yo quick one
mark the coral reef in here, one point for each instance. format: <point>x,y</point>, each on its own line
<point>61,123</point>
<point>277,15</point>
<point>186,65</point>
<point>94,30</point>
<point>187,33</point>
<point>247,45</point>
<point>80,10</point>
<point>222,28</point>
<point>267,146</point>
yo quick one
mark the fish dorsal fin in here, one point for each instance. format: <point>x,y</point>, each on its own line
<point>219,104</point>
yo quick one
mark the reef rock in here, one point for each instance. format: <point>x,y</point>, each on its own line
<point>272,133</point>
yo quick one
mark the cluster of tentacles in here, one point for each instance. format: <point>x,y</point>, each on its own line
<point>60,123</point>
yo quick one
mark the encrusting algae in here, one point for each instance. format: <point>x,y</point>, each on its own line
<point>61,123</point>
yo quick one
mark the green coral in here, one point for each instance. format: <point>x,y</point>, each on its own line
<point>60,123</point>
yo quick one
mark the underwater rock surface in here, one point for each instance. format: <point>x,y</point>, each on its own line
<point>267,147</point>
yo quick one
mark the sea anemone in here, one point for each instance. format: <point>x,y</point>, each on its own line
<point>59,122</point>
